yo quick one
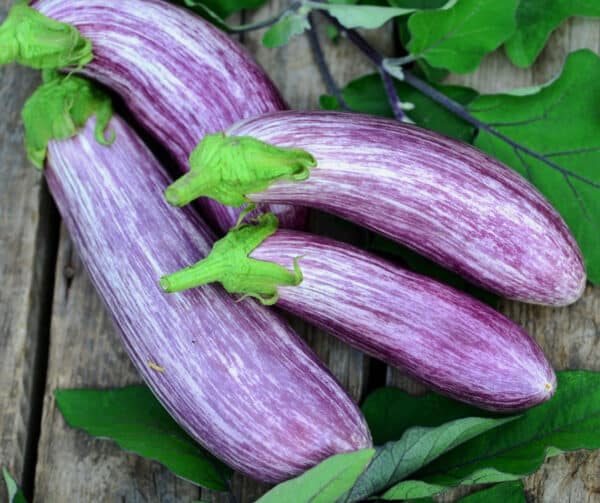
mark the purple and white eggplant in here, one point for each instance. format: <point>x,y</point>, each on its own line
<point>442,198</point>
<point>453,343</point>
<point>180,76</point>
<point>234,375</point>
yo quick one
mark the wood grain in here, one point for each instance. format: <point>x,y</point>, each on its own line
<point>85,351</point>
<point>27,244</point>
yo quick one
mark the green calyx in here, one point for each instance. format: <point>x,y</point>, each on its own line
<point>32,39</point>
<point>229,264</point>
<point>227,168</point>
<point>58,109</point>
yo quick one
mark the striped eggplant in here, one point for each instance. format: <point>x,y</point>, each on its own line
<point>180,76</point>
<point>442,198</point>
<point>234,375</point>
<point>453,343</point>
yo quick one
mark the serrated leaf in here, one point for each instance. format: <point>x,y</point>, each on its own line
<point>15,494</point>
<point>458,38</point>
<point>138,423</point>
<point>417,447</point>
<point>536,20</point>
<point>508,492</point>
<point>292,24</point>
<point>367,95</point>
<point>569,421</point>
<point>561,121</point>
<point>325,482</point>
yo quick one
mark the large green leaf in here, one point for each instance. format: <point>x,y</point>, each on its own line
<point>367,95</point>
<point>348,12</point>
<point>290,25</point>
<point>222,8</point>
<point>362,16</point>
<point>15,494</point>
<point>417,447</point>
<point>561,121</point>
<point>569,421</point>
<point>508,492</point>
<point>354,476</point>
<point>419,4</point>
<point>391,411</point>
<point>135,420</point>
<point>458,38</point>
<point>536,19</point>
<point>325,482</point>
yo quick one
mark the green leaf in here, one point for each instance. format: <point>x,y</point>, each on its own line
<point>15,494</point>
<point>138,423</point>
<point>325,482</point>
<point>417,447</point>
<point>222,8</point>
<point>390,411</point>
<point>508,492</point>
<point>569,421</point>
<point>361,16</point>
<point>458,38</point>
<point>367,95</point>
<point>419,4</point>
<point>292,24</point>
<point>560,121</point>
<point>536,19</point>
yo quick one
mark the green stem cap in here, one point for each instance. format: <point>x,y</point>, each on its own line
<point>228,168</point>
<point>58,109</point>
<point>32,39</point>
<point>229,264</point>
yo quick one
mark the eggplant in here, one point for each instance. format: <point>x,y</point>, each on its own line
<point>179,76</point>
<point>233,375</point>
<point>446,339</point>
<point>442,198</point>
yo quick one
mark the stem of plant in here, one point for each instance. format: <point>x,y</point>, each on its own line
<point>390,89</point>
<point>317,51</point>
<point>265,23</point>
<point>449,104</point>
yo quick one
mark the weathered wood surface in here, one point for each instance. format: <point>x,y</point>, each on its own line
<point>84,349</point>
<point>26,253</point>
<point>85,352</point>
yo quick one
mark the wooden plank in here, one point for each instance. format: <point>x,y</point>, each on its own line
<point>85,352</point>
<point>27,247</point>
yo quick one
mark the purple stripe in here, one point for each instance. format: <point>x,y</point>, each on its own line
<point>236,377</point>
<point>445,199</point>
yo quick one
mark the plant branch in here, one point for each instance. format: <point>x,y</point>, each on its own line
<point>317,50</point>
<point>451,105</point>
<point>390,90</point>
<point>244,28</point>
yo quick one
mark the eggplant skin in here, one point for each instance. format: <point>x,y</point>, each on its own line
<point>443,198</point>
<point>181,77</point>
<point>446,339</point>
<point>232,374</point>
